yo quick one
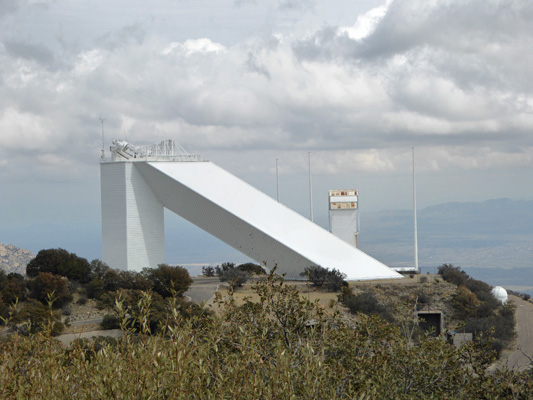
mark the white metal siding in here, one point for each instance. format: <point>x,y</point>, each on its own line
<point>343,224</point>
<point>252,222</point>
<point>113,195</point>
<point>132,219</point>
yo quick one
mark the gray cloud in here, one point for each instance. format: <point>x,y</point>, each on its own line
<point>325,92</point>
<point>30,51</point>
<point>296,4</point>
<point>8,7</point>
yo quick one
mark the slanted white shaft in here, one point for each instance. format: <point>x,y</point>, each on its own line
<point>254,223</point>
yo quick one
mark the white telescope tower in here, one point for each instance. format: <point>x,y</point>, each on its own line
<point>139,182</point>
<point>344,214</point>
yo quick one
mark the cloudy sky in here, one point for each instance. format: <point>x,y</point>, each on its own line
<point>243,82</point>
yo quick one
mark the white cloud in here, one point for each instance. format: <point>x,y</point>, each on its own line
<point>25,131</point>
<point>366,23</point>
<point>403,73</point>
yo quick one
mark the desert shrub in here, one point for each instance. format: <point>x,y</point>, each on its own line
<point>60,262</point>
<point>208,271</point>
<point>500,326</point>
<point>235,277</point>
<point>251,268</point>
<point>110,322</point>
<point>14,289</point>
<point>482,290</point>
<point>320,277</point>
<point>335,280</point>
<point>46,286</point>
<point>33,317</point>
<point>315,274</point>
<point>168,280</point>
<point>423,279</point>
<point>4,312</point>
<point>366,303</point>
<point>464,303</point>
<point>224,267</point>
<point>423,300</point>
<point>260,350</point>
<point>453,274</point>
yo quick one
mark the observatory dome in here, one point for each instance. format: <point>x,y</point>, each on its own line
<point>500,294</point>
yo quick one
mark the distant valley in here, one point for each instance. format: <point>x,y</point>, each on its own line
<point>496,233</point>
<point>488,239</point>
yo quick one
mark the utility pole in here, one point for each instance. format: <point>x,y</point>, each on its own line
<point>414,214</point>
<point>277,180</point>
<point>310,188</point>
<point>102,157</point>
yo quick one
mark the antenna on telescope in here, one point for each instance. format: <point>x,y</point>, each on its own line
<point>102,157</point>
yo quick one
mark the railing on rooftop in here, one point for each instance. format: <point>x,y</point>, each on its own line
<point>166,150</point>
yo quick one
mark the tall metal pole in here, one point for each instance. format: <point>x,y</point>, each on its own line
<point>277,180</point>
<point>102,157</point>
<point>414,213</point>
<point>310,188</point>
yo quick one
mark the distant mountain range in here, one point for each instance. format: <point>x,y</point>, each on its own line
<point>492,234</point>
<point>14,259</point>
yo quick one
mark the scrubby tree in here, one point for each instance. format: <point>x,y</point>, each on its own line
<point>252,268</point>
<point>33,316</point>
<point>453,274</point>
<point>13,288</point>
<point>60,262</point>
<point>168,280</point>
<point>464,303</point>
<point>321,277</point>
<point>235,277</point>
<point>224,267</point>
<point>316,274</point>
<point>365,303</point>
<point>46,286</point>
<point>208,271</point>
<point>335,280</point>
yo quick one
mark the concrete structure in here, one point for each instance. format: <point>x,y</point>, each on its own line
<point>139,182</point>
<point>344,215</point>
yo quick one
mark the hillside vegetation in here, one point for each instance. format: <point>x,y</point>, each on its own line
<point>280,346</point>
<point>271,343</point>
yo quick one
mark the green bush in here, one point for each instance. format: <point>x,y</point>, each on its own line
<point>167,280</point>
<point>235,277</point>
<point>208,271</point>
<point>251,268</point>
<point>47,286</point>
<point>365,303</point>
<point>315,274</point>
<point>60,262</point>
<point>110,322</point>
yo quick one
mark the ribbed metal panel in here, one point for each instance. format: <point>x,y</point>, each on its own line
<point>132,219</point>
<point>113,198</point>
<point>252,222</point>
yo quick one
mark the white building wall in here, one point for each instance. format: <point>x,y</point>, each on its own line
<point>344,225</point>
<point>132,219</point>
<point>114,222</point>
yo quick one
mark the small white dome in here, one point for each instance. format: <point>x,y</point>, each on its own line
<point>500,294</point>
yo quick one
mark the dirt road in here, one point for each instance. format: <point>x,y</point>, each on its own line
<point>524,340</point>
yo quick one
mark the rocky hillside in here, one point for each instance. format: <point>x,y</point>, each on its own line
<point>14,259</point>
